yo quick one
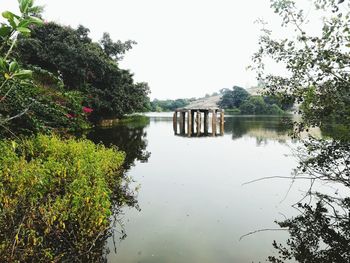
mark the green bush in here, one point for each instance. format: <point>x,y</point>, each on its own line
<point>44,109</point>
<point>56,197</point>
<point>255,105</point>
<point>86,66</point>
<point>234,111</point>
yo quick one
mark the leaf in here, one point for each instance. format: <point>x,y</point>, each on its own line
<point>16,21</point>
<point>9,15</point>
<point>23,5</point>
<point>3,64</point>
<point>23,30</point>
<point>23,74</point>
<point>30,21</point>
<point>35,20</point>
<point>7,76</point>
<point>13,66</point>
<point>12,18</point>
<point>5,31</point>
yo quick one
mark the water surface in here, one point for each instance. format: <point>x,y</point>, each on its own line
<point>194,206</point>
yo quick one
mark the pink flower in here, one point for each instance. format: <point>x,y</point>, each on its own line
<point>87,110</point>
<point>69,115</point>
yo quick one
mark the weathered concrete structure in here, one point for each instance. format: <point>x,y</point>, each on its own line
<point>197,122</point>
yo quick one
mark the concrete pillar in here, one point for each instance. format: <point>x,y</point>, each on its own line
<point>213,128</point>
<point>206,122</point>
<point>175,122</point>
<point>182,122</point>
<point>189,123</point>
<point>198,120</point>
<point>222,122</point>
<point>192,122</point>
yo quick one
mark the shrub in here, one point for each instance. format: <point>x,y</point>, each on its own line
<point>44,109</point>
<point>234,111</point>
<point>233,98</point>
<point>256,105</point>
<point>55,198</point>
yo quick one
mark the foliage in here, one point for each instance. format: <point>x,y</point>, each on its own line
<point>316,236</point>
<point>322,232</point>
<point>27,104</point>
<point>234,111</point>
<point>243,102</point>
<point>45,108</point>
<point>318,80</point>
<point>87,67</point>
<point>233,98</point>
<point>168,105</point>
<point>115,50</point>
<point>317,64</point>
<point>55,198</point>
<point>255,105</point>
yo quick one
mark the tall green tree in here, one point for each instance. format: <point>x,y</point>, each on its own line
<point>233,98</point>
<point>86,66</point>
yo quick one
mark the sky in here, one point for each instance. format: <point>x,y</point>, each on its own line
<point>186,48</point>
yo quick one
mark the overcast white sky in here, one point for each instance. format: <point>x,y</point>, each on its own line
<point>186,48</point>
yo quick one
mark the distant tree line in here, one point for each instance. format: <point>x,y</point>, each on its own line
<point>240,101</point>
<point>168,105</point>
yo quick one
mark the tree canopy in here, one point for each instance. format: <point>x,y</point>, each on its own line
<point>233,98</point>
<point>86,66</point>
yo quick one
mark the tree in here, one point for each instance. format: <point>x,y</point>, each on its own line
<point>115,50</point>
<point>87,67</point>
<point>318,80</point>
<point>317,64</point>
<point>25,106</point>
<point>233,98</point>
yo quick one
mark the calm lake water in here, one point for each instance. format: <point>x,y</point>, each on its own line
<point>194,206</point>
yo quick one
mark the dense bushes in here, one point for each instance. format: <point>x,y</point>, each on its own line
<point>40,107</point>
<point>32,99</point>
<point>239,101</point>
<point>256,105</point>
<point>86,66</point>
<point>233,98</point>
<point>55,197</point>
<point>168,105</point>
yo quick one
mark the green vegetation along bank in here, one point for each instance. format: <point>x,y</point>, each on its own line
<point>239,101</point>
<point>58,193</point>
<point>55,197</point>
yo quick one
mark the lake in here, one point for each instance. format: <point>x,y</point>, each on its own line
<point>194,206</point>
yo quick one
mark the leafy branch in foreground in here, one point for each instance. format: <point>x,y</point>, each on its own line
<point>317,79</point>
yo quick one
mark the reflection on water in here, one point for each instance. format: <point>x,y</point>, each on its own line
<point>193,205</point>
<point>262,128</point>
<point>130,138</point>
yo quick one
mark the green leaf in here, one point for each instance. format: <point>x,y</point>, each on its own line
<point>30,21</point>
<point>23,74</point>
<point>35,20</point>
<point>25,5</point>
<point>23,30</point>
<point>13,66</point>
<point>5,31</point>
<point>3,64</point>
<point>8,15</point>
<point>16,21</point>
